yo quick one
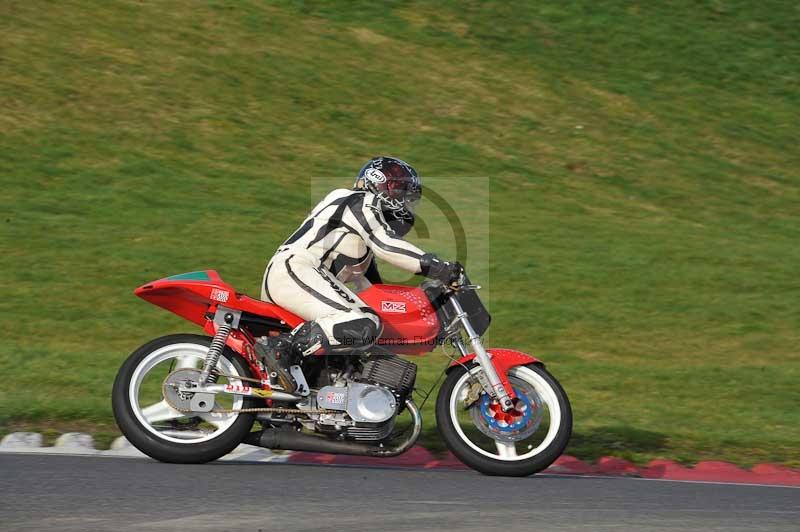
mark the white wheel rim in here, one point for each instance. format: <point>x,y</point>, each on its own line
<point>506,451</point>
<point>186,355</point>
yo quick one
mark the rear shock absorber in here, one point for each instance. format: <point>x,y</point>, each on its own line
<point>215,350</point>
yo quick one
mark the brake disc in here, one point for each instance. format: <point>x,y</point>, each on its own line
<point>184,401</point>
<point>516,424</point>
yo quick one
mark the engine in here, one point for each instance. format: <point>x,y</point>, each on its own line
<point>370,403</point>
<point>391,371</point>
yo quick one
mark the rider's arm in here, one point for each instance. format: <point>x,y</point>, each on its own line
<point>380,238</point>
<point>386,245</point>
<point>372,274</point>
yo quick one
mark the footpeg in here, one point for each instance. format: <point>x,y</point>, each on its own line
<point>275,352</point>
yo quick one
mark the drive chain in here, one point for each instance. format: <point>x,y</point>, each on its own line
<point>276,410</point>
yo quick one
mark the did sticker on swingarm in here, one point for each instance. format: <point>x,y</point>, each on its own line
<point>247,390</point>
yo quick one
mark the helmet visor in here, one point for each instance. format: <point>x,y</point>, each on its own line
<point>411,203</point>
<point>406,191</point>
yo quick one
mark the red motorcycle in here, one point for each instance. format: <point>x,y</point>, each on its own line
<point>192,398</point>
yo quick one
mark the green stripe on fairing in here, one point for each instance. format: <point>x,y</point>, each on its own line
<point>191,276</point>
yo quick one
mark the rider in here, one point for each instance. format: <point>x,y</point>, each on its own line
<point>336,244</point>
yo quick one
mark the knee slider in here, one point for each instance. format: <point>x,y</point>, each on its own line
<point>359,333</point>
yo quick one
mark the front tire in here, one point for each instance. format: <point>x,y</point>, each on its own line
<point>496,443</point>
<point>162,432</point>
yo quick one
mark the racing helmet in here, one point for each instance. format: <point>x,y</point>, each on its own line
<point>396,185</point>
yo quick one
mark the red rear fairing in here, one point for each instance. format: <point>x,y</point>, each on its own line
<point>193,295</point>
<point>410,323</point>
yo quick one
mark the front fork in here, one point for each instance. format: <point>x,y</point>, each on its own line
<point>497,389</point>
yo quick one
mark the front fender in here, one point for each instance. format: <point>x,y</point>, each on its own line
<point>502,360</point>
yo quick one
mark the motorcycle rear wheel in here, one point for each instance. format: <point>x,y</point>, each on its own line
<point>487,440</point>
<point>160,431</point>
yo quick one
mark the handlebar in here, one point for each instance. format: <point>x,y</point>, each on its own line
<point>461,285</point>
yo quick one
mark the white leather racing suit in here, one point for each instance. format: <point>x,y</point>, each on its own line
<point>334,245</point>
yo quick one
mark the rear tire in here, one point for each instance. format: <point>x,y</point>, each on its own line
<point>146,439</point>
<point>553,445</point>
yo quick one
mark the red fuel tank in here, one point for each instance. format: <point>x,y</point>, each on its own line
<point>410,323</point>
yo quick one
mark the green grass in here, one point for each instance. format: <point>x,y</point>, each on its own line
<point>643,222</point>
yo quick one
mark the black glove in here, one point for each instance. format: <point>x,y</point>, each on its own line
<point>435,268</point>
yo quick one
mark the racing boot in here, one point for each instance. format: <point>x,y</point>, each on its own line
<point>276,353</point>
<point>281,351</point>
<point>309,339</point>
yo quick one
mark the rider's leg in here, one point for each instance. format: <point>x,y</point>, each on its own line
<point>337,320</point>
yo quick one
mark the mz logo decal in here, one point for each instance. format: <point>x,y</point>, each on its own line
<point>393,306</point>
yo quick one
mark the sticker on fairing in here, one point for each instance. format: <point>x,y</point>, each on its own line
<point>220,295</point>
<point>393,306</point>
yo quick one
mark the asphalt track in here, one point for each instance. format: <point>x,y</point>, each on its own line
<point>65,493</point>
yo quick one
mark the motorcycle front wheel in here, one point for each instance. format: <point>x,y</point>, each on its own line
<point>517,443</point>
<point>149,420</point>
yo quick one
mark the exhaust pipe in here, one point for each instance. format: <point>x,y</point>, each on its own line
<point>291,440</point>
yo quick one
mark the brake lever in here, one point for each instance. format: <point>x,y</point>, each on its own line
<point>457,285</point>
